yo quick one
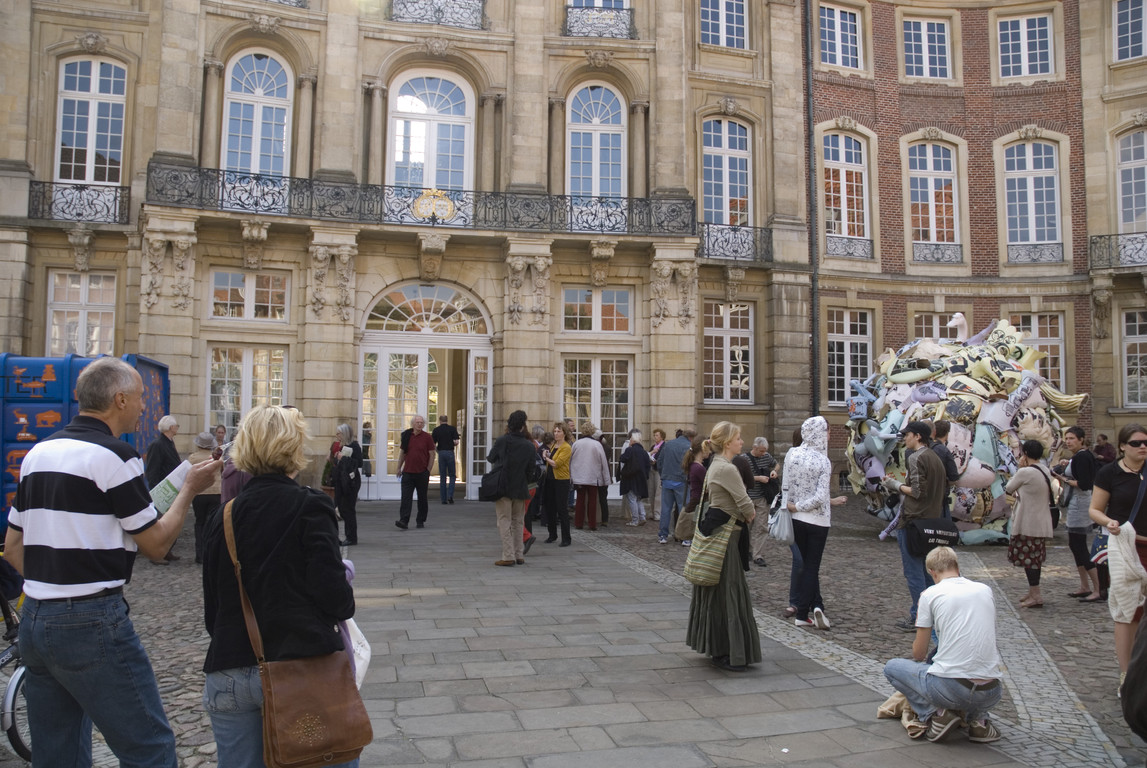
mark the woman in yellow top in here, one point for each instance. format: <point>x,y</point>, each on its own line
<point>721,621</point>
<point>558,484</point>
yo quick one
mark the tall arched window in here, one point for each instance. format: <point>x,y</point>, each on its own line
<point>1133,183</point>
<point>726,173</point>
<point>257,109</point>
<point>845,186</point>
<point>89,145</point>
<point>432,133</point>
<point>1031,189</point>
<point>933,210</point>
<point>596,143</point>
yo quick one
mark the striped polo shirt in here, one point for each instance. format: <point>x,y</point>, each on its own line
<point>82,494</point>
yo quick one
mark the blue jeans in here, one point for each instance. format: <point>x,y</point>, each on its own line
<point>411,482</point>
<point>927,693</point>
<point>86,664</point>
<point>672,494</point>
<point>446,470</point>
<point>636,508</point>
<point>914,572</point>
<point>233,699</point>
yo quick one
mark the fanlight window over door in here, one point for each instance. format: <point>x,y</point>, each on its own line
<point>426,309</point>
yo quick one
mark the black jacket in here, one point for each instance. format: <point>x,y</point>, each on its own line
<point>162,458</point>
<point>287,540</point>
<point>634,472</point>
<point>347,474</point>
<point>516,453</point>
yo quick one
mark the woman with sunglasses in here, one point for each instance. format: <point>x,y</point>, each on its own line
<point>1118,504</point>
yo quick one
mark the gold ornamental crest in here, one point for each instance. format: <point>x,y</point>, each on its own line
<point>433,203</point>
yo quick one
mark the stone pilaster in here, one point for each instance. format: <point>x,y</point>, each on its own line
<point>668,136</point>
<point>557,146</point>
<point>528,107</point>
<point>339,101</point>
<point>304,136</point>
<point>15,62</point>
<point>212,114</point>
<point>527,358</point>
<point>328,337</point>
<point>784,367</point>
<point>178,97</point>
<point>638,141</point>
<point>671,381</point>
<point>376,146</point>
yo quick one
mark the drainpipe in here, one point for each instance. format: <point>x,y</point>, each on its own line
<point>813,227</point>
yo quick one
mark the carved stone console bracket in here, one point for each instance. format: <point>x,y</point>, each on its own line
<point>600,252</point>
<point>541,269</point>
<point>320,260</point>
<point>183,255</point>
<point>254,239</point>
<point>80,236</point>
<point>659,291</point>
<point>154,253</point>
<point>1101,312</point>
<point>344,276</point>
<point>431,248</point>
<point>686,273</point>
<point>335,249</point>
<point>733,278</point>
<point>515,275</point>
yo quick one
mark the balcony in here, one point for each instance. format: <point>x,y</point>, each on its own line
<point>60,201</point>
<point>599,22</point>
<point>1035,253</point>
<point>1110,251</point>
<point>292,3</point>
<point>753,245</point>
<point>466,14</point>
<point>839,246</point>
<point>937,253</point>
<point>209,189</point>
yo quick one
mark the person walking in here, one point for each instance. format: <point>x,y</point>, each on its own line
<point>1077,473</point>
<point>558,484</point>
<point>589,470</point>
<point>634,472</point>
<point>347,480</point>
<point>415,457</point>
<point>81,512</point>
<point>1030,524</point>
<point>446,439</point>
<point>516,454</point>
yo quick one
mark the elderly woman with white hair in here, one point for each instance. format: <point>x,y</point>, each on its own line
<point>347,480</point>
<point>635,478</point>
<point>159,461</point>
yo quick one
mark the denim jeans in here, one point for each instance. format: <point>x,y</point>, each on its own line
<point>927,693</point>
<point>446,471</point>
<point>233,699</point>
<point>411,482</point>
<point>636,508</point>
<point>86,664</point>
<point>810,539</point>
<point>914,572</point>
<point>672,495</point>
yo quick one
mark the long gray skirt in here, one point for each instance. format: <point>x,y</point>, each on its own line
<point>721,619</point>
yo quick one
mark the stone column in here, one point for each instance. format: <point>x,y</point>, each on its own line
<point>376,147</point>
<point>638,141</point>
<point>527,142</point>
<point>339,105</point>
<point>304,136</point>
<point>527,357</point>
<point>488,145</point>
<point>557,146</point>
<point>667,138</point>
<point>212,116</point>
<point>176,48</point>
<point>672,336</point>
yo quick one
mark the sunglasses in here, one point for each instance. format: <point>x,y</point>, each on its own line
<point>1136,443</point>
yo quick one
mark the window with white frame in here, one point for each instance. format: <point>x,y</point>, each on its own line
<point>600,389</point>
<point>723,23</point>
<point>1025,45</point>
<point>257,111</point>
<point>1031,188</point>
<point>596,143</point>
<point>932,194</point>
<point>1045,333</point>
<point>240,378</point>
<point>81,313</point>
<point>1133,183</point>
<point>726,161</point>
<point>840,43</point>
<point>845,186</point>
<point>608,310</point>
<point>90,132</point>
<point>727,357</point>
<point>926,49</point>
<point>1128,29</point>
<point>1135,358</point>
<point>849,338</point>
<point>248,295</point>
<point>932,325</point>
<point>432,133</point>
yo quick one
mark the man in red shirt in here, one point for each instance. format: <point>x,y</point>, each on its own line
<point>416,456</point>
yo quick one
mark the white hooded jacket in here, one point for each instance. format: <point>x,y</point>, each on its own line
<point>808,474</point>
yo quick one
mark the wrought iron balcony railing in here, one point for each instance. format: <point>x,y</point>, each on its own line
<point>62,201</point>
<point>293,3</point>
<point>599,22</point>
<point>722,241</point>
<point>216,190</point>
<point>1109,251</point>
<point>467,14</point>
<point>848,247</point>
<point>1035,253</point>
<point>937,253</point>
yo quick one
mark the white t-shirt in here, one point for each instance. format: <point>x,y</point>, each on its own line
<point>963,613</point>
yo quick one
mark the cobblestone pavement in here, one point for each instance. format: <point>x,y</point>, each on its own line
<point>1060,704</point>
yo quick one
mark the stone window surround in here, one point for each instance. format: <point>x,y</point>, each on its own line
<point>955,44</point>
<point>249,294</point>
<point>1057,39</point>
<point>83,307</point>
<point>864,32</point>
<point>725,334</point>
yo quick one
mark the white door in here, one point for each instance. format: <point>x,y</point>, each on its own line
<point>478,437</point>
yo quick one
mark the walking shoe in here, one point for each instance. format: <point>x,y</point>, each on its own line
<point>420,525</point>
<point>803,622</point>
<point>503,562</point>
<point>451,501</point>
<point>906,625</point>
<point>550,540</point>
<point>400,524</point>
<point>687,543</point>
<point>520,560</point>
<point>820,619</point>
<point>760,562</point>
<point>528,543</point>
<point>662,540</point>
<point>641,521</point>
<point>942,723</point>
<point>631,524</point>
<point>983,732</point>
<point>657,518</point>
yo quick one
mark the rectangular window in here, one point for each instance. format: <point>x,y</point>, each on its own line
<point>1045,333</point>
<point>840,37</point>
<point>932,189</point>
<point>931,325</point>
<point>1031,193</point>
<point>926,49</point>
<point>1135,357</point>
<point>239,378</point>
<point>249,296</point>
<point>81,313</point>
<point>723,23</point>
<point>600,389</point>
<point>849,351</point>
<point>1128,29</point>
<point>845,186</point>
<point>597,309</point>
<point>1025,46</point>
<point>728,351</point>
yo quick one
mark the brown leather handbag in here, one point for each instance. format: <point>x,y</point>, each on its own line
<point>312,712</point>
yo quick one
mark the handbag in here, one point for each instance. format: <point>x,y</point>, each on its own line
<point>312,712</point>
<point>781,525</point>
<point>686,523</point>
<point>492,487</point>
<point>706,555</point>
<point>357,647</point>
<point>925,534</point>
<point>1053,508</point>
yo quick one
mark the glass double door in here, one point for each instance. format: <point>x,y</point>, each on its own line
<point>400,381</point>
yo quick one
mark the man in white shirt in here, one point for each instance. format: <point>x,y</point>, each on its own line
<point>962,682</point>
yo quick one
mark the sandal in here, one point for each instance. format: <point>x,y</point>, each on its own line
<point>1031,605</point>
<point>1099,599</point>
<point>1083,593</point>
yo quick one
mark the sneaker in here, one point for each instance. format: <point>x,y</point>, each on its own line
<point>631,524</point>
<point>906,625</point>
<point>662,540</point>
<point>528,543</point>
<point>820,619</point>
<point>942,723</point>
<point>983,732</point>
<point>803,623</point>
<point>687,543</point>
<point>760,562</point>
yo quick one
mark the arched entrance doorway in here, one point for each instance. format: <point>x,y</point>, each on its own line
<point>426,350</point>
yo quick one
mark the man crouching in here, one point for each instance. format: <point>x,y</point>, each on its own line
<point>961,683</point>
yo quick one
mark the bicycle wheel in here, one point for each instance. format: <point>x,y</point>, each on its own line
<point>18,734</point>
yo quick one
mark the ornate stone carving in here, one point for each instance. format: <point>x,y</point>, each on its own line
<point>541,271</point>
<point>516,274</point>
<point>600,252</point>
<point>265,23</point>
<point>92,42</point>
<point>320,260</point>
<point>733,278</point>
<point>213,67</point>
<point>254,239</point>
<point>437,46</point>
<point>154,253</point>
<point>81,238</point>
<point>1101,312</point>
<point>598,59</point>
<point>307,80</point>
<point>1030,131</point>
<point>184,259</point>
<point>659,288</point>
<point>432,246</point>
<point>931,133</point>
<point>845,123</point>
<point>728,106</point>
<point>1139,118</point>
<point>344,272</point>
<point>687,291</point>
<point>638,108</point>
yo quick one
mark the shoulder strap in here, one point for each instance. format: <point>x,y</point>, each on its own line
<point>248,612</point>
<point>1139,496</point>
<point>1047,480</point>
